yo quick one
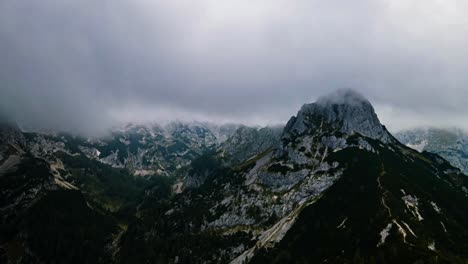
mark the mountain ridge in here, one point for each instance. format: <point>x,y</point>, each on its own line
<point>450,143</point>
<point>334,178</point>
<point>261,200</point>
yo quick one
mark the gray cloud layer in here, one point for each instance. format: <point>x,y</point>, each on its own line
<point>84,65</point>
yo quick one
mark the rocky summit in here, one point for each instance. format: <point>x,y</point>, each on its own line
<point>332,186</point>
<point>344,110</point>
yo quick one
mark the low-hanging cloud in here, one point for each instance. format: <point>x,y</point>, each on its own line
<point>85,65</point>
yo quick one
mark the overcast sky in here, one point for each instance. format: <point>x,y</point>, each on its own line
<point>85,65</point>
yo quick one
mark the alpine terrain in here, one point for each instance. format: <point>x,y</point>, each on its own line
<point>451,144</point>
<point>332,186</point>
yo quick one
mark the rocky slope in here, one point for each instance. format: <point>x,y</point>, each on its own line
<point>44,218</point>
<point>247,142</point>
<point>86,184</point>
<point>451,144</point>
<point>332,186</point>
<point>337,177</point>
<point>391,205</point>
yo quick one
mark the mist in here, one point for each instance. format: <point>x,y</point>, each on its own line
<point>84,66</point>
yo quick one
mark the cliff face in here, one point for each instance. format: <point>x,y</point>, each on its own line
<point>345,110</point>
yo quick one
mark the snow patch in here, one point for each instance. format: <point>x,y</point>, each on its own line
<point>436,208</point>
<point>401,230</point>
<point>384,234</point>
<point>62,183</point>
<point>178,187</point>
<point>419,146</point>
<point>431,246</point>
<point>169,212</point>
<point>412,204</point>
<point>143,172</point>
<point>443,226</point>
<point>409,229</point>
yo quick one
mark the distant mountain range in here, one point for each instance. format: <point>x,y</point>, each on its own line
<point>332,186</point>
<point>451,144</point>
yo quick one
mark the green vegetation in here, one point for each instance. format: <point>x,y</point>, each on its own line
<point>61,228</point>
<point>109,188</point>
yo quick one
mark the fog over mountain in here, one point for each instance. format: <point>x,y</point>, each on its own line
<point>87,65</point>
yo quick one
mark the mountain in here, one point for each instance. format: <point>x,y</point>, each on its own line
<point>332,186</point>
<point>45,219</point>
<point>451,144</point>
<point>89,188</point>
<point>337,188</point>
<point>242,144</point>
<point>247,142</point>
<point>142,149</point>
<point>345,111</point>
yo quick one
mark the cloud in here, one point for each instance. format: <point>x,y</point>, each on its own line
<point>85,65</point>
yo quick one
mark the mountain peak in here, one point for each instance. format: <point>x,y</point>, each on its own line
<point>344,110</point>
<point>343,97</point>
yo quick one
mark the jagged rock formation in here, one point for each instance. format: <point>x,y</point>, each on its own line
<point>336,168</point>
<point>344,110</point>
<point>145,150</point>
